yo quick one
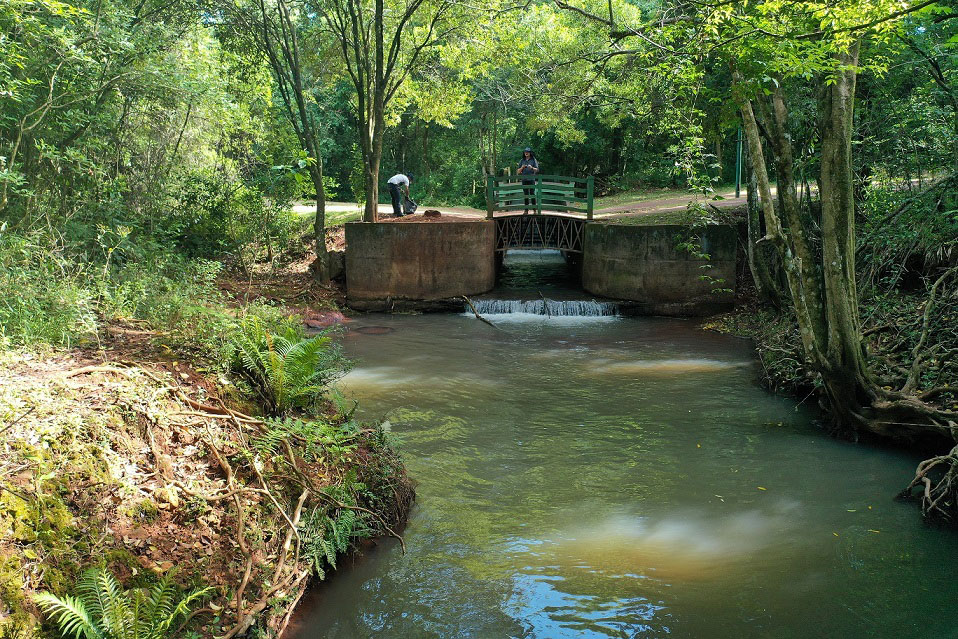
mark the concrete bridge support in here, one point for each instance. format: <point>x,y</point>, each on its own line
<point>396,265</point>
<point>644,266</point>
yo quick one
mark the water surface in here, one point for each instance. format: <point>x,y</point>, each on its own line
<point>610,477</point>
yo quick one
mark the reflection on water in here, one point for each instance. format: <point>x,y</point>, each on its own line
<point>681,546</point>
<point>624,478</point>
<point>663,366</point>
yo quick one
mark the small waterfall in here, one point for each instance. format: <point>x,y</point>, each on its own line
<point>548,308</point>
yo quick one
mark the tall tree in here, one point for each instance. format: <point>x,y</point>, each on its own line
<point>273,26</point>
<point>772,48</point>
<point>381,44</point>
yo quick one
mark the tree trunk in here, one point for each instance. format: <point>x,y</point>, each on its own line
<point>846,378</point>
<point>321,270</point>
<point>804,301</point>
<point>758,254</point>
<point>424,161</point>
<point>718,151</point>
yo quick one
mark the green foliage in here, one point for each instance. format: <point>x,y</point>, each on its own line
<point>325,537</point>
<point>285,370</point>
<point>317,440</point>
<point>906,232</point>
<point>63,299</point>
<point>101,609</point>
<point>54,301</point>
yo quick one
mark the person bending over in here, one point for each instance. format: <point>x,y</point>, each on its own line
<point>398,187</point>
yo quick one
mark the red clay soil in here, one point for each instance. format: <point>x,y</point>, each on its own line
<point>421,219</point>
<point>292,287</point>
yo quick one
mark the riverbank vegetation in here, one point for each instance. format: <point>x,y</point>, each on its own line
<point>144,468</point>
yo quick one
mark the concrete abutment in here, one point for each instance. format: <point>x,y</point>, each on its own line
<point>431,265</point>
<point>400,266</point>
<point>646,268</point>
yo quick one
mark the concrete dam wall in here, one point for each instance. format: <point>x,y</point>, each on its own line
<point>645,266</point>
<point>399,265</point>
<point>430,265</point>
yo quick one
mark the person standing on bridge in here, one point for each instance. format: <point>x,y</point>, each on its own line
<point>528,166</point>
<point>399,186</point>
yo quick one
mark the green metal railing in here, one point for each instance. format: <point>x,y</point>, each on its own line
<point>557,193</point>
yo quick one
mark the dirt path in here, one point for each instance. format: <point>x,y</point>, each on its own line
<point>656,205</point>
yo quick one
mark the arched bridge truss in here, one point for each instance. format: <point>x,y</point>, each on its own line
<point>539,232</point>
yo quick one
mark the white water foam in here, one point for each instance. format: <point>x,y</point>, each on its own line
<point>546,308</point>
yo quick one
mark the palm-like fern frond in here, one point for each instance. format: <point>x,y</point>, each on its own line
<point>118,615</point>
<point>70,616</point>
<point>180,609</point>
<point>159,603</point>
<point>286,370</point>
<point>103,610</point>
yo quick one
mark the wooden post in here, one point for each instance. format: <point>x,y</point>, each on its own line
<point>490,192</point>
<point>589,186</point>
<point>538,194</point>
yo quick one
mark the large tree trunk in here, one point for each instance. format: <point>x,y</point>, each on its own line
<point>372,159</point>
<point>845,375</point>
<point>766,284</point>
<point>804,301</point>
<point>826,302</point>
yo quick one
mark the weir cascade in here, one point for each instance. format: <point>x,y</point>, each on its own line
<point>546,307</point>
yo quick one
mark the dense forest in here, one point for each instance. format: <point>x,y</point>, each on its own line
<point>151,152</point>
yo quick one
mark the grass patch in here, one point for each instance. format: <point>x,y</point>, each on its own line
<point>635,197</point>
<point>663,218</point>
<point>337,213</point>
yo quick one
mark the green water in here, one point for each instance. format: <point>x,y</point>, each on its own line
<point>596,477</point>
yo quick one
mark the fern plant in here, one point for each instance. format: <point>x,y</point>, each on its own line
<point>285,369</point>
<point>101,608</point>
<point>326,537</point>
<point>317,440</point>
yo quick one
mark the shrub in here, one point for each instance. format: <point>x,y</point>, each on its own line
<point>48,298</point>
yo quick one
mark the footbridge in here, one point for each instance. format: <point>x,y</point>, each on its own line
<point>554,210</point>
<point>554,193</point>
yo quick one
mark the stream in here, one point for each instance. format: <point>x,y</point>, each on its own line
<point>587,475</point>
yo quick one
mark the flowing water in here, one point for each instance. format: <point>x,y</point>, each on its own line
<point>598,476</point>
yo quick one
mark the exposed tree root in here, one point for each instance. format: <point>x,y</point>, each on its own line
<point>938,479</point>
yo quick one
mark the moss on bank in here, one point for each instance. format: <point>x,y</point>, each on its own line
<point>143,471</point>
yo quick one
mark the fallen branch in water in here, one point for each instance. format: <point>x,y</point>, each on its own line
<point>545,304</point>
<point>478,316</point>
